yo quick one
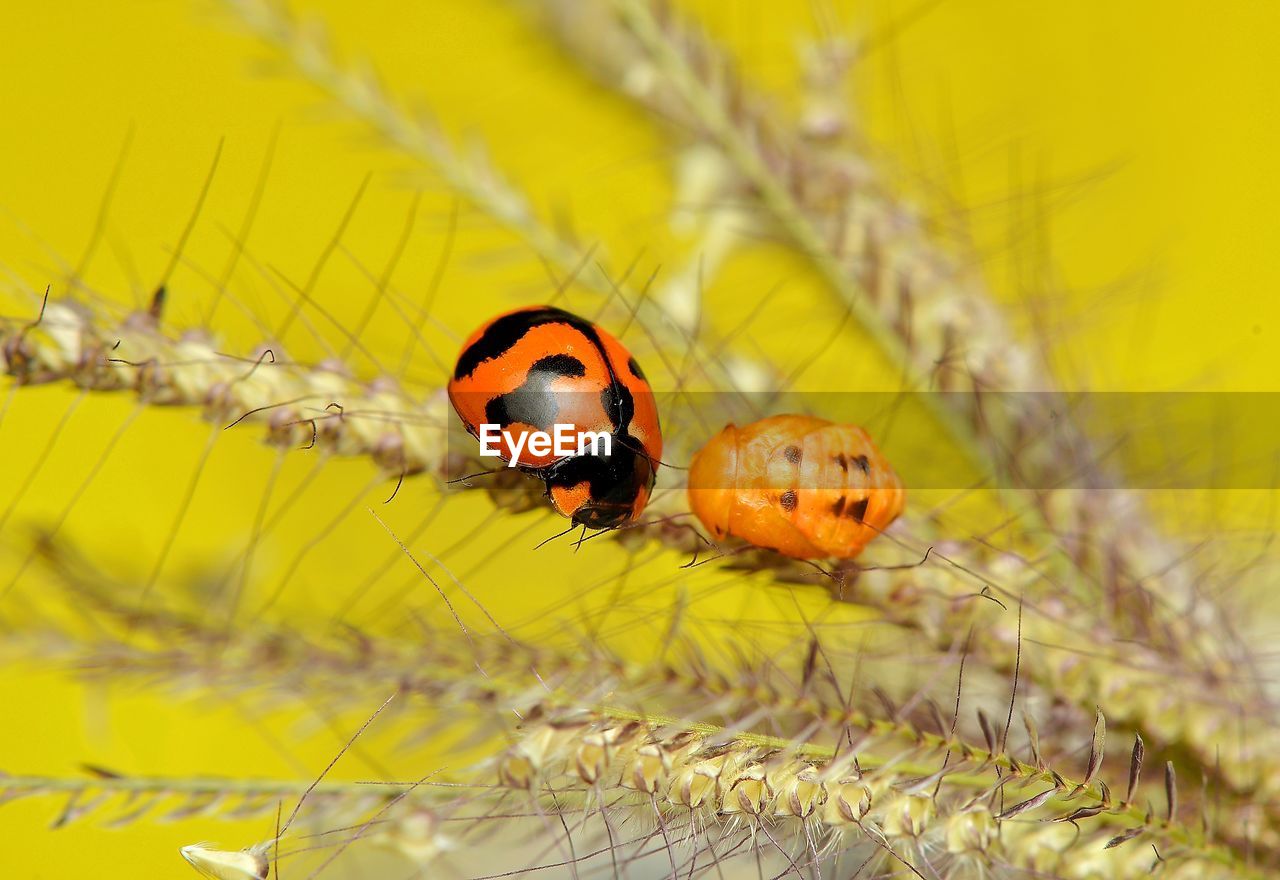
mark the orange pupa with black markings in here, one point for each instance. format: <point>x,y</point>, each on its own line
<point>803,486</point>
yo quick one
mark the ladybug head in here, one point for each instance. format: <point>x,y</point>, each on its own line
<point>603,491</point>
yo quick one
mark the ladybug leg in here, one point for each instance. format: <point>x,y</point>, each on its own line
<point>546,541</point>
<point>641,524</point>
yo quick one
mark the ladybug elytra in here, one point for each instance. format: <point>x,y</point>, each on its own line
<point>542,370</point>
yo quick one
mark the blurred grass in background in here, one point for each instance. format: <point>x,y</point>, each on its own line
<point>1112,164</point>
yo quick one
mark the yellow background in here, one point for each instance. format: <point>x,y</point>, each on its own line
<point>1139,137</point>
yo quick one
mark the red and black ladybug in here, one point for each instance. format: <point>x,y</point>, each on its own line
<point>533,369</point>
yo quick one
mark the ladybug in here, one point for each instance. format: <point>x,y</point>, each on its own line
<point>803,486</point>
<point>533,369</point>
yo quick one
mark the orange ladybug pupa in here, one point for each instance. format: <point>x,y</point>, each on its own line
<point>532,369</point>
<point>800,485</point>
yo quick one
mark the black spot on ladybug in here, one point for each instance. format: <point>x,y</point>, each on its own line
<point>634,366</point>
<point>507,330</point>
<point>793,454</point>
<point>844,466</point>
<point>618,403</point>
<point>862,464</point>
<point>788,500</point>
<point>524,406</point>
<point>838,508</point>
<point>533,402</point>
<point>559,365</point>
<point>858,510</point>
